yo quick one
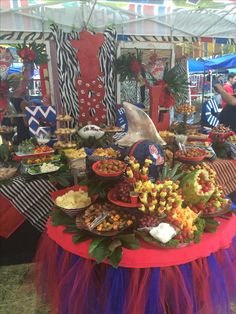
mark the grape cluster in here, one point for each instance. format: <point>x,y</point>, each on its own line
<point>149,220</point>
<point>122,192</point>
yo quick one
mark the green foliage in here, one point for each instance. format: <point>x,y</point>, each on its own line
<point>177,81</point>
<point>171,173</point>
<point>222,150</point>
<point>91,141</point>
<point>200,224</point>
<point>129,241</point>
<point>123,63</point>
<point>211,225</point>
<point>101,247</point>
<point>60,218</point>
<point>97,186</point>
<point>62,177</point>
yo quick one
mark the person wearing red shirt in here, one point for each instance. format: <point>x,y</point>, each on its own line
<point>228,86</point>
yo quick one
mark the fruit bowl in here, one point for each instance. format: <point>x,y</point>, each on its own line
<point>109,168</point>
<point>105,219</point>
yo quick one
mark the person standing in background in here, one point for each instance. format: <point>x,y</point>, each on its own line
<point>228,86</point>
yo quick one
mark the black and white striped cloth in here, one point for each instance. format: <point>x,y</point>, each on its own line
<point>68,69</point>
<point>107,57</point>
<point>32,199</point>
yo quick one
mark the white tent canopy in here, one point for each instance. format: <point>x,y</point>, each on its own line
<point>208,18</point>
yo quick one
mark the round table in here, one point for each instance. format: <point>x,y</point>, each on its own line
<point>199,278</point>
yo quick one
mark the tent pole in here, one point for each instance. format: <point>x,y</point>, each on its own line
<point>211,83</point>
<point>204,73</point>
<point>189,88</point>
<point>91,12</point>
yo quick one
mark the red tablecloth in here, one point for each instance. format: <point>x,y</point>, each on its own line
<point>10,218</point>
<point>148,256</point>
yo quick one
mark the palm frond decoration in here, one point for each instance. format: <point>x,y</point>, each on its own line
<point>177,81</point>
<point>128,65</point>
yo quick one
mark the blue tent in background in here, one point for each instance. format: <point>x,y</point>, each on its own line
<point>195,66</point>
<point>224,62</point>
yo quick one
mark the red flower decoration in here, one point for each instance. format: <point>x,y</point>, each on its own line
<point>135,66</point>
<point>27,54</point>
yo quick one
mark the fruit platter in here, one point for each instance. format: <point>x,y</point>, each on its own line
<point>43,168</point>
<point>29,150</point>
<point>105,219</point>
<point>109,167</point>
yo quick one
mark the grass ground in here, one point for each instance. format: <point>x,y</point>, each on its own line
<point>17,291</point>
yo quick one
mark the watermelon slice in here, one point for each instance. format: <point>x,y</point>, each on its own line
<point>197,187</point>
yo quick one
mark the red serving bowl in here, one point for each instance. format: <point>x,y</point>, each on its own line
<point>180,157</point>
<point>122,167</point>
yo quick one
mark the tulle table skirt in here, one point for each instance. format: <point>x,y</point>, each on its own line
<point>77,285</point>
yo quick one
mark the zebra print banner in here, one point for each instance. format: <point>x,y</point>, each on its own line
<point>107,58</point>
<point>27,36</point>
<point>68,70</point>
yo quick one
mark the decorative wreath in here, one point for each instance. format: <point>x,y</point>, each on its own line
<point>32,53</point>
<point>129,66</point>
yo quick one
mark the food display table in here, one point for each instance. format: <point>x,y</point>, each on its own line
<point>199,278</point>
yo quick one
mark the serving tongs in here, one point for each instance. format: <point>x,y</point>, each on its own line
<point>181,140</point>
<point>98,220</point>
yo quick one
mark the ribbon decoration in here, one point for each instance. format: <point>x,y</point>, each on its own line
<point>166,98</point>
